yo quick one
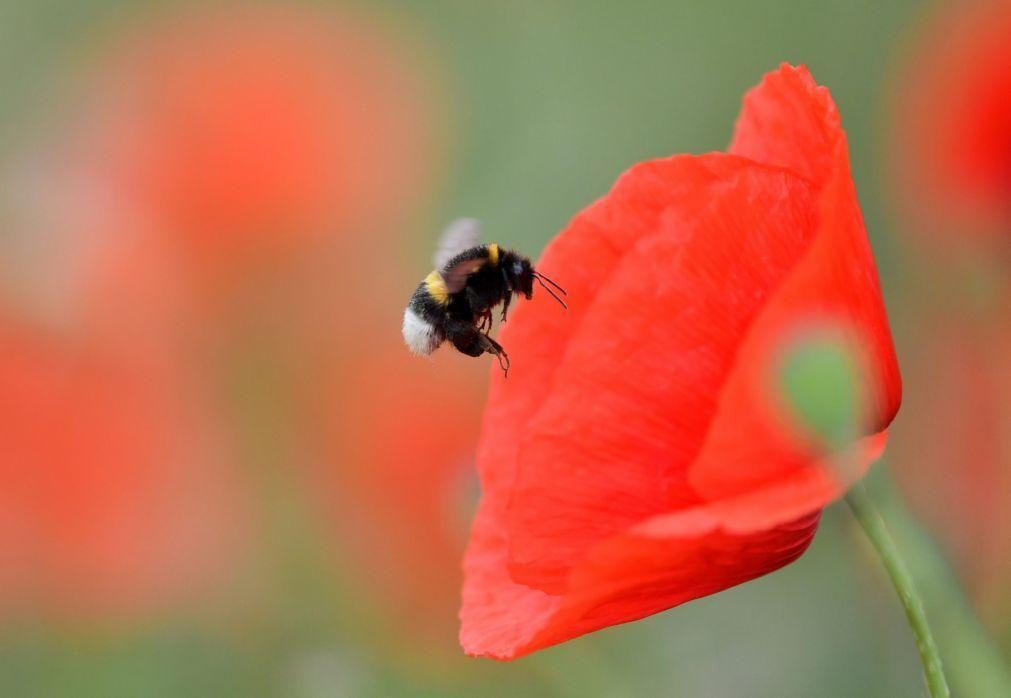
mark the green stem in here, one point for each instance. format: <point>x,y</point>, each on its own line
<point>874,526</point>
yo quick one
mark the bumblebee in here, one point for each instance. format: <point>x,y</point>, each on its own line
<point>455,301</point>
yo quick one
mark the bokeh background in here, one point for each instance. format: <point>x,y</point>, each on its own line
<point>222,474</point>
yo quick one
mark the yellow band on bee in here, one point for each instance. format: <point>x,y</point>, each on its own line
<point>493,254</point>
<point>436,286</point>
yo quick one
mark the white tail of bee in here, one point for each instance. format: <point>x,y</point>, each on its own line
<point>420,336</point>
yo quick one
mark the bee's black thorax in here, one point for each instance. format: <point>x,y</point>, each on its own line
<point>496,275</point>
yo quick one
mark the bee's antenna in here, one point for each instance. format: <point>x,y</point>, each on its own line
<point>548,289</point>
<point>542,276</point>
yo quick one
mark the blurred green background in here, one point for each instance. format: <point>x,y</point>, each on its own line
<point>535,108</point>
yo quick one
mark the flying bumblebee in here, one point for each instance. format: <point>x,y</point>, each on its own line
<point>455,301</point>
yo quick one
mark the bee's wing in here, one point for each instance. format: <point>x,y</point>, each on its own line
<point>460,235</point>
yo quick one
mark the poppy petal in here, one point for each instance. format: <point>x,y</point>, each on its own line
<point>625,578</point>
<point>790,121</point>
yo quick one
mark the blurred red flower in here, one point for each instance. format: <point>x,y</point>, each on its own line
<point>113,495</point>
<point>246,132</point>
<point>639,455</point>
<point>953,121</point>
<point>396,436</point>
<point>952,447</point>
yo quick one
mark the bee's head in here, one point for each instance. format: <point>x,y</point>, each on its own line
<point>522,275</point>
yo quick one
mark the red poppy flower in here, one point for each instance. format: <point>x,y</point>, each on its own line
<point>953,120</point>
<point>639,455</point>
<point>247,132</point>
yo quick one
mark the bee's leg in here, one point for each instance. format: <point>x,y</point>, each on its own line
<point>468,340</point>
<point>500,353</point>
<point>505,304</point>
<point>508,295</point>
<point>486,321</point>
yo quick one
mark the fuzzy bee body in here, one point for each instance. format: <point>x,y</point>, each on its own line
<point>454,302</point>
